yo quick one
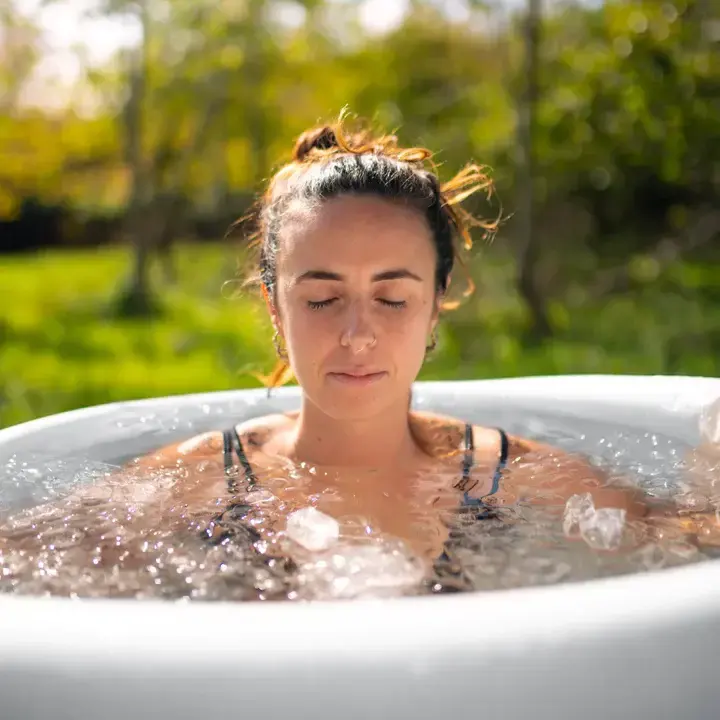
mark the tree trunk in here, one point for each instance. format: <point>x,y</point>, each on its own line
<point>136,297</point>
<point>254,69</point>
<point>170,216</point>
<point>528,253</point>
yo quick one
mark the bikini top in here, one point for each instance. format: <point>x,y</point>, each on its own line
<point>233,443</point>
<point>237,510</point>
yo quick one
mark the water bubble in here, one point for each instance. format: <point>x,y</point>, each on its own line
<point>360,571</point>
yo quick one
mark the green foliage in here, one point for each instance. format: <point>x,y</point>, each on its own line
<point>630,100</point>
<point>627,119</point>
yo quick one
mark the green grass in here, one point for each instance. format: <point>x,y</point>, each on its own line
<point>62,347</point>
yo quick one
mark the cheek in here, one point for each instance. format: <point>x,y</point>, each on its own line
<point>306,332</point>
<point>405,329</point>
<point>409,328</point>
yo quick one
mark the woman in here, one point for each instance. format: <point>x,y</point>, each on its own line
<point>358,241</point>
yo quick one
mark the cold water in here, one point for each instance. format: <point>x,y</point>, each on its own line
<point>54,541</point>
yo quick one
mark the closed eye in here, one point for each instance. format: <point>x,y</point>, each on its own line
<point>318,304</point>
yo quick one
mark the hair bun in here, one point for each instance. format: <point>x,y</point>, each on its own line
<point>320,138</point>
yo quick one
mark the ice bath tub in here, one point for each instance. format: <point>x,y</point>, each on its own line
<point>644,645</point>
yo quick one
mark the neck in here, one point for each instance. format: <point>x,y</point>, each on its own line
<point>372,442</point>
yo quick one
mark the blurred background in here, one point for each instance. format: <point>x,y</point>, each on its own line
<point>134,132</point>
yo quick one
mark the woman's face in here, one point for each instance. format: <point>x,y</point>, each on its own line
<point>356,302</point>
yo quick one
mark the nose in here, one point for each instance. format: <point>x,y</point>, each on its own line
<point>358,333</point>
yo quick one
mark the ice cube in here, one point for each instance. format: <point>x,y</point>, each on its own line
<point>312,529</point>
<point>651,556</point>
<point>577,508</point>
<point>600,529</point>
<point>603,529</point>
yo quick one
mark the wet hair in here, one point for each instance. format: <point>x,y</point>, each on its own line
<point>330,161</point>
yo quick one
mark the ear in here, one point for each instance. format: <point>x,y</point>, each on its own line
<point>271,307</point>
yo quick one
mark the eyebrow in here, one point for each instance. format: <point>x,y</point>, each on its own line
<point>399,274</point>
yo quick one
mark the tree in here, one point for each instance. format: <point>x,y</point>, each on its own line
<point>528,249</point>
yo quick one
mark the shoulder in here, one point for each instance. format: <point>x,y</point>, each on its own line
<point>489,441</point>
<point>520,447</point>
<point>255,432</point>
<point>197,447</point>
<point>258,433</point>
<point>443,434</point>
<point>446,433</point>
<point>561,474</point>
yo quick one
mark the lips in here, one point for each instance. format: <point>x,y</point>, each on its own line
<point>357,377</point>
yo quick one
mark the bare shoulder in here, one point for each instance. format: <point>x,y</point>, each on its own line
<point>561,474</point>
<point>524,448</point>
<point>441,434</point>
<point>446,432</point>
<point>260,431</point>
<point>488,441</point>
<point>532,463</point>
<point>198,447</point>
<point>519,447</point>
<point>209,444</point>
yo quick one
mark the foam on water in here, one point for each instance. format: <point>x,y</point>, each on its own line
<point>98,543</point>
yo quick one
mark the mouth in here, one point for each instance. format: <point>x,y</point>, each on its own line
<point>359,378</point>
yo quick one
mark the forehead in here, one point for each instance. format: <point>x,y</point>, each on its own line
<point>356,234</point>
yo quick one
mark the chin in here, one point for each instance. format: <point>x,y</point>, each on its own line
<point>341,404</point>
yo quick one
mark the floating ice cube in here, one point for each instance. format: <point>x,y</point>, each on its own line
<point>312,529</point>
<point>603,529</point>
<point>577,508</point>
<point>651,556</point>
<point>600,529</point>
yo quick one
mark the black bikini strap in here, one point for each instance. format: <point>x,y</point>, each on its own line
<point>469,457</point>
<point>231,441</point>
<point>504,449</point>
<point>502,461</point>
<point>227,451</point>
<point>240,450</point>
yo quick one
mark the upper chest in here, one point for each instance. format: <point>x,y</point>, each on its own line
<point>414,505</point>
